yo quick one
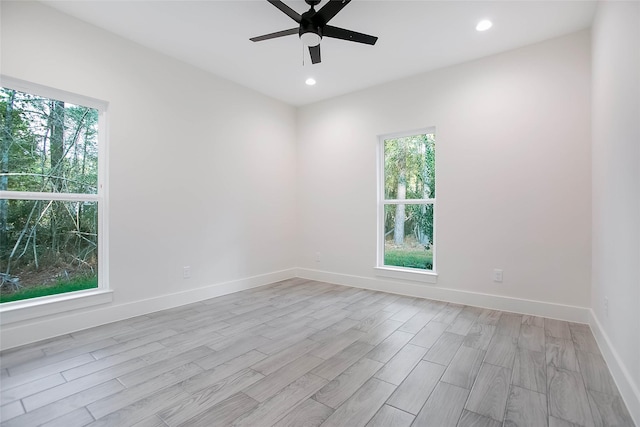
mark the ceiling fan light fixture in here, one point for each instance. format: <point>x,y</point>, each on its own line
<point>310,39</point>
<point>484,25</point>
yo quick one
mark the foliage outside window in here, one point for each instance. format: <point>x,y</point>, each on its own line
<point>407,201</point>
<point>50,198</point>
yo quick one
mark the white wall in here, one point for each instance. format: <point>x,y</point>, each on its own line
<point>513,176</point>
<point>616,189</point>
<point>201,169</point>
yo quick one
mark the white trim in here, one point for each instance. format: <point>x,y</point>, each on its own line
<point>103,204</point>
<point>21,334</point>
<point>409,201</point>
<point>53,93</point>
<point>629,390</point>
<point>496,302</point>
<point>33,195</point>
<point>427,276</point>
<point>18,311</point>
<point>420,131</point>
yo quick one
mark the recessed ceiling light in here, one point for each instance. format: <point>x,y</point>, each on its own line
<point>484,25</point>
<point>310,81</point>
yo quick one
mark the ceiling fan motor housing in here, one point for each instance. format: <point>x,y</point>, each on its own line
<point>309,32</point>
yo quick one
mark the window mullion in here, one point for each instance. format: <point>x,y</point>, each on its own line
<point>409,201</point>
<point>28,195</point>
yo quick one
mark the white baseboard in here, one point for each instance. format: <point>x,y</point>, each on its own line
<point>22,333</point>
<point>423,290</point>
<point>629,390</point>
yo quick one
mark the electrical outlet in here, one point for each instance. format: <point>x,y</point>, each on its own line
<point>186,272</point>
<point>606,307</point>
<point>497,275</point>
<point>317,256</point>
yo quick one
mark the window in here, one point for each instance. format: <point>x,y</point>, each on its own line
<point>407,199</point>
<point>51,192</point>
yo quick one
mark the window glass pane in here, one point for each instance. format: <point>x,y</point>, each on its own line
<point>408,236</point>
<point>49,247</point>
<point>409,167</point>
<point>47,145</point>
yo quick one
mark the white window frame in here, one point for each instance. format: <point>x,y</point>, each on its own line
<point>17,311</point>
<point>405,273</point>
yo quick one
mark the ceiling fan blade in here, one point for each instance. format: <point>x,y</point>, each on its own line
<point>352,36</point>
<point>287,10</point>
<point>314,51</point>
<point>330,9</point>
<point>275,35</point>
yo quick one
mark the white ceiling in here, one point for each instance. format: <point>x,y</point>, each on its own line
<point>414,37</point>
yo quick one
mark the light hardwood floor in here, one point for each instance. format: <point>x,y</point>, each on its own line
<point>305,353</point>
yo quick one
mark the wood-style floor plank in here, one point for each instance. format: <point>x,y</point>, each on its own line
<point>502,351</point>
<point>531,337</point>
<point>309,413</point>
<point>533,321</point>
<point>361,406</point>
<point>335,365</point>
<point>489,393</point>
<point>489,317</point>
<point>224,412</point>
<point>509,324</point>
<point>428,335</point>
<point>388,416</point>
<point>595,373</point>
<point>557,329</point>
<point>11,410</point>
<point>445,348</point>
<point>276,407</point>
<point>276,361</point>
<point>471,419</point>
<point>208,397</point>
<point>16,393</point>
<point>78,418</point>
<point>417,322</point>
<point>271,384</point>
<point>530,371</point>
<point>561,353</point>
<point>417,387</point>
<point>583,340</point>
<point>464,367</point>
<point>479,336</point>
<point>347,383</point>
<point>212,376</point>
<point>568,397</point>
<point>525,408</point>
<point>396,370</point>
<point>64,406</point>
<point>443,408</point>
<point>384,351</point>
<point>608,410</point>
<point>142,409</point>
<point>124,398</point>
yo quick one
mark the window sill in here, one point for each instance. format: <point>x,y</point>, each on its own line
<point>18,311</point>
<point>407,274</point>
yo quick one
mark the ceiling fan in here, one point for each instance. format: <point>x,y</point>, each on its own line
<point>313,26</point>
